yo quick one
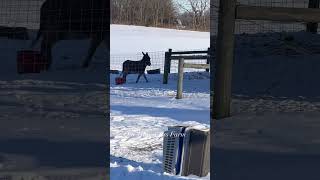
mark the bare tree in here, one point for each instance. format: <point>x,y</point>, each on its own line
<point>196,14</point>
<point>143,12</point>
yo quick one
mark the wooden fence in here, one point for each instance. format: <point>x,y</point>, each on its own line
<point>228,13</point>
<point>183,65</point>
<point>185,55</point>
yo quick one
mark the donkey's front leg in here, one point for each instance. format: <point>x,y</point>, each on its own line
<point>145,77</point>
<point>138,78</point>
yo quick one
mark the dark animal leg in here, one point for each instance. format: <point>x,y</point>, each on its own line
<point>138,78</point>
<point>34,42</point>
<point>145,77</point>
<point>49,40</point>
<point>125,76</point>
<point>95,42</point>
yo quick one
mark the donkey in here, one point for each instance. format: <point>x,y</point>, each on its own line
<point>60,18</point>
<point>136,67</point>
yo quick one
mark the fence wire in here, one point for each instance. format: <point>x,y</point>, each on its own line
<point>53,21</point>
<point>253,27</point>
<point>20,13</point>
<point>271,32</point>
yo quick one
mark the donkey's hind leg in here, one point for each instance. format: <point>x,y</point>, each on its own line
<point>124,76</point>
<point>48,41</point>
<point>145,77</point>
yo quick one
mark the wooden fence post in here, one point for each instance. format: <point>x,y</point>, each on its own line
<point>167,66</point>
<point>224,59</point>
<point>180,79</point>
<point>208,59</point>
<point>312,26</point>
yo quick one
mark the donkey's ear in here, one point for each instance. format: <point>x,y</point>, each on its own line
<point>144,53</point>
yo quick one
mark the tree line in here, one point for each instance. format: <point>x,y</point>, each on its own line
<point>188,14</point>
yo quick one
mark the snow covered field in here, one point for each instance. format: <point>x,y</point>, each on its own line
<point>127,42</point>
<point>140,113</point>
<point>134,39</point>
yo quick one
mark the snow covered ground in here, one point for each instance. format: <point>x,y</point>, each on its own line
<point>140,113</point>
<point>52,119</point>
<point>274,129</point>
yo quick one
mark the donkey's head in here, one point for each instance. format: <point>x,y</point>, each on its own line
<point>146,59</point>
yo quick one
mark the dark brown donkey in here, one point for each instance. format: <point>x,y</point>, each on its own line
<point>136,67</point>
<point>59,19</point>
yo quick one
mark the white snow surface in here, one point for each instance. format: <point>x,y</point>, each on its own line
<point>141,112</point>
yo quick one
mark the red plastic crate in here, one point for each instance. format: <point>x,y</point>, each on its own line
<point>30,62</point>
<point>120,80</point>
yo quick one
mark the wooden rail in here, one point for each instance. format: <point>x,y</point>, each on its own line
<point>189,57</point>
<point>278,14</point>
<point>190,52</point>
<point>196,66</point>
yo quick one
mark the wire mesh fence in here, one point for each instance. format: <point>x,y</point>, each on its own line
<point>253,26</point>
<point>270,37</point>
<point>20,13</point>
<point>157,60</point>
<point>42,24</point>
